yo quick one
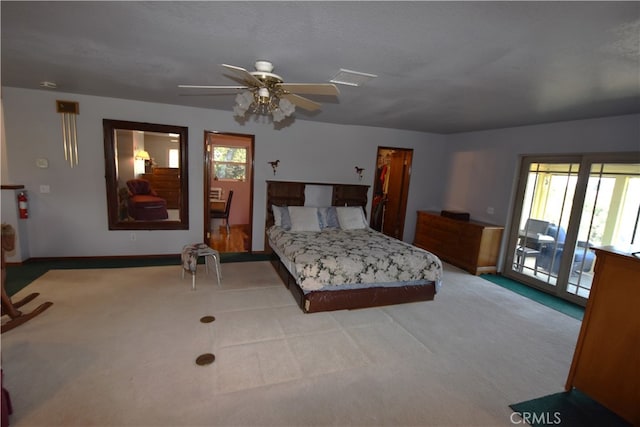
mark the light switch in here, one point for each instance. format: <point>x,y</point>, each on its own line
<point>45,189</point>
<point>42,163</point>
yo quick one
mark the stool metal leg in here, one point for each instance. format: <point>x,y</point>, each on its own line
<point>216,261</point>
<point>193,280</point>
<point>213,258</point>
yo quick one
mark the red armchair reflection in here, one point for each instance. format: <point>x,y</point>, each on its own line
<point>144,203</point>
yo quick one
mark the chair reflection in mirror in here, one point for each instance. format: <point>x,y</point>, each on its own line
<point>144,203</point>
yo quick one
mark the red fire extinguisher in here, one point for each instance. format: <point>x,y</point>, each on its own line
<point>22,205</point>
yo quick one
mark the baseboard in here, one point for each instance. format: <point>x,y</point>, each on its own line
<point>99,258</point>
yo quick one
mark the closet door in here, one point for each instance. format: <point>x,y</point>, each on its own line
<point>397,191</point>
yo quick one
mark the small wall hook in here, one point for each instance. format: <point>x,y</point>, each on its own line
<point>274,165</point>
<point>359,172</point>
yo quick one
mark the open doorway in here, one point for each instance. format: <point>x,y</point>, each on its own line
<point>390,190</point>
<point>228,191</point>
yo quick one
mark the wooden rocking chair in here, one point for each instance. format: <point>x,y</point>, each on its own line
<point>8,307</point>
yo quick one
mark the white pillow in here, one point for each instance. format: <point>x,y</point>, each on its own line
<point>277,215</point>
<point>351,218</point>
<point>281,217</point>
<point>304,218</point>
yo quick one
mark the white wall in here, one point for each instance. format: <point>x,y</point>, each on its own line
<point>71,220</point>
<point>470,171</point>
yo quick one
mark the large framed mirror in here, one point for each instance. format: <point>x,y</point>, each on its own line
<point>146,174</point>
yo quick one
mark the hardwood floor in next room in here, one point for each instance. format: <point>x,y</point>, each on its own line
<point>236,241</point>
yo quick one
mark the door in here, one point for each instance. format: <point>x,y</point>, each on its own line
<point>391,189</point>
<point>565,206</point>
<point>228,191</point>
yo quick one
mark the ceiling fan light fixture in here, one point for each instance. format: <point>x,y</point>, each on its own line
<point>287,107</point>
<point>278,115</point>
<point>238,111</point>
<point>244,99</point>
<point>263,101</point>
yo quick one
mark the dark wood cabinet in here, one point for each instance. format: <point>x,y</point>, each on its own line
<point>281,193</point>
<point>349,195</point>
<point>471,245</point>
<point>605,363</point>
<point>166,182</point>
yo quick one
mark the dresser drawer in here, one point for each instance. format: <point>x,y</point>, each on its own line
<point>470,245</point>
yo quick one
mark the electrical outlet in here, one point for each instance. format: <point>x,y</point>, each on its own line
<point>490,210</point>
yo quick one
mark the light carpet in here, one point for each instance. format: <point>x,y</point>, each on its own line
<point>118,348</point>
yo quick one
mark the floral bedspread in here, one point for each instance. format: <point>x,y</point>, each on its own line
<point>336,257</point>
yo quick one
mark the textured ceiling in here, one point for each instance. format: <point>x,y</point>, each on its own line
<point>442,67</point>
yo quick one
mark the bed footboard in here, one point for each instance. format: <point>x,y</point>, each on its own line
<point>368,297</point>
<point>350,299</point>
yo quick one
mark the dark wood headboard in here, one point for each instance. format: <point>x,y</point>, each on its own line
<point>291,193</point>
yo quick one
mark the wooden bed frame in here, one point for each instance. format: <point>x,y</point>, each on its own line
<point>288,193</point>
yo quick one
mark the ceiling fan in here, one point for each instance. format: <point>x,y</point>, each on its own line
<point>266,92</point>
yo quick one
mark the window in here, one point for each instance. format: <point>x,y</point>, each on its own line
<point>174,158</point>
<point>230,163</point>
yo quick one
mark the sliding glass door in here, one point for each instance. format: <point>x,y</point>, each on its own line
<point>565,206</point>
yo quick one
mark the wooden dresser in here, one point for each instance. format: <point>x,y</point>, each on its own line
<point>166,182</point>
<point>471,245</point>
<point>606,362</point>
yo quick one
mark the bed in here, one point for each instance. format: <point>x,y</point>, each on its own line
<point>330,259</point>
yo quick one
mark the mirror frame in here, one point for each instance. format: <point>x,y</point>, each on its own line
<point>109,128</point>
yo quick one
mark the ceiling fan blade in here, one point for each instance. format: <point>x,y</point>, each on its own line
<point>244,74</point>
<point>302,102</point>
<point>212,87</point>
<point>236,79</point>
<point>311,88</point>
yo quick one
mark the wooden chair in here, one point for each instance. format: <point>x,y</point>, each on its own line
<point>224,214</point>
<point>10,308</point>
<point>215,193</point>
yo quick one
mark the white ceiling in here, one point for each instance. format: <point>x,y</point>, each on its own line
<point>442,67</point>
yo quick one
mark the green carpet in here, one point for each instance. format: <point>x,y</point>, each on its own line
<point>19,276</point>
<point>572,408</point>
<point>570,309</point>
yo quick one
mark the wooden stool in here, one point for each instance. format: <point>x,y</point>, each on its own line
<point>190,255</point>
